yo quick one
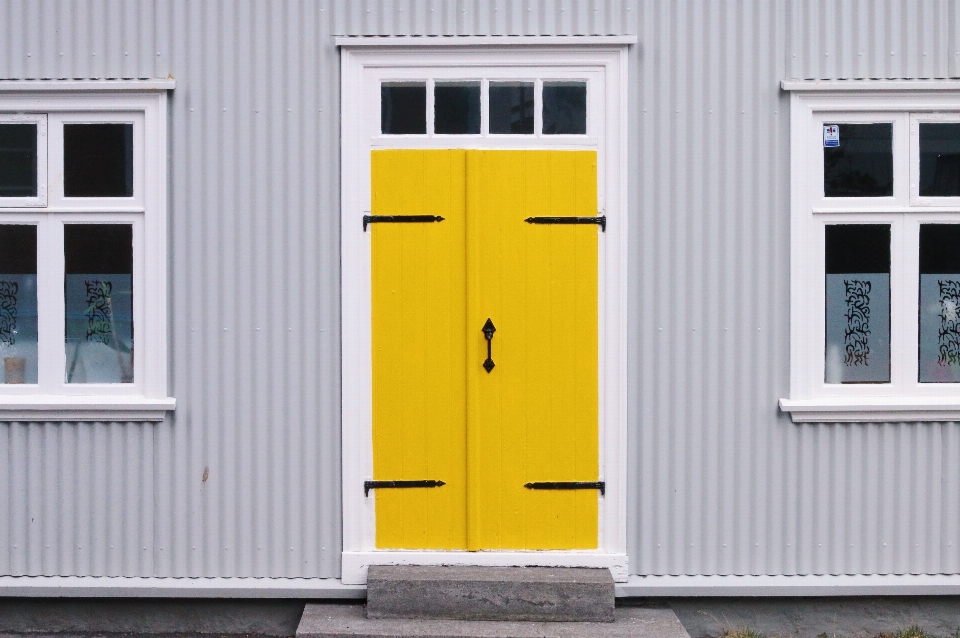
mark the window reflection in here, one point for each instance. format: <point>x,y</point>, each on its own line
<point>403,108</point>
<point>18,303</point>
<point>857,303</point>
<point>862,164</point>
<point>511,107</point>
<point>939,160</point>
<point>98,290</point>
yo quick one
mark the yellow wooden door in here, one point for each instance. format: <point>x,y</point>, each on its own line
<point>438,414</point>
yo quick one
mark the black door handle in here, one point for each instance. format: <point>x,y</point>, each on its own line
<point>488,330</point>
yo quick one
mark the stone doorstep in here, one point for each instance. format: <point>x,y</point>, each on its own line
<point>547,594</point>
<point>350,621</point>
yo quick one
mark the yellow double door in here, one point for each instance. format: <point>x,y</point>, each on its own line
<point>515,447</point>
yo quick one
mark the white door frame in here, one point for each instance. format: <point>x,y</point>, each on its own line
<point>365,62</point>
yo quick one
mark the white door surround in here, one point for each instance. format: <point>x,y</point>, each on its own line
<point>365,63</point>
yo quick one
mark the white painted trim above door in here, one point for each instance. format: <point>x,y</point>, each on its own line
<point>362,70</point>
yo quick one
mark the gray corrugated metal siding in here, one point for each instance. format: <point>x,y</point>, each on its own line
<point>244,479</point>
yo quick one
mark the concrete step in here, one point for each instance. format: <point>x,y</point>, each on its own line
<point>491,593</point>
<point>350,621</point>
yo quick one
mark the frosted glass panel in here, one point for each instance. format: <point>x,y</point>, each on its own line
<point>857,304</point>
<point>18,160</point>
<point>99,303</point>
<point>939,303</point>
<point>18,303</point>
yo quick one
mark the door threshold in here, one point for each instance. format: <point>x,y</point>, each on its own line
<point>354,564</point>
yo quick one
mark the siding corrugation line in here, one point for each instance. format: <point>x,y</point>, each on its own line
<point>721,483</point>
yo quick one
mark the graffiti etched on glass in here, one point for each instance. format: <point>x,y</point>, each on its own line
<point>856,334</point>
<point>949,337</point>
<point>99,311</point>
<point>8,311</point>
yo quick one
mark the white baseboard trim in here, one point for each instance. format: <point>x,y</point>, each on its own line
<point>354,564</point>
<point>141,587</point>
<point>825,585</point>
<point>333,588</point>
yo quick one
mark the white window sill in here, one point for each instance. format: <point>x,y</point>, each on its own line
<point>84,408</point>
<point>873,410</point>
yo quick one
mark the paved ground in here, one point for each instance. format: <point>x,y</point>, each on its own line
<point>69,617</point>
<point>343,621</point>
<point>854,617</point>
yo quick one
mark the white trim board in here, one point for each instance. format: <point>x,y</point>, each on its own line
<point>150,587</point>
<point>812,585</point>
<point>46,86</point>
<point>362,69</point>
<point>484,40</point>
<point>332,588</point>
<point>870,85</point>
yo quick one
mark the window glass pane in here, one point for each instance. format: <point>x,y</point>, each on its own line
<point>511,107</point>
<point>99,302</point>
<point>940,160</point>
<point>98,160</point>
<point>403,108</point>
<point>456,108</point>
<point>18,160</point>
<point>18,303</point>
<point>940,303</point>
<point>564,108</point>
<point>860,163</point>
<point>857,303</point>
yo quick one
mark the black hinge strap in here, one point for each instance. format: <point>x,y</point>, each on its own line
<point>601,220</point>
<point>399,219</point>
<point>568,485</point>
<point>373,485</point>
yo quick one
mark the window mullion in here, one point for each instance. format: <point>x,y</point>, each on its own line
<point>903,303</point>
<point>538,107</point>
<point>50,305</point>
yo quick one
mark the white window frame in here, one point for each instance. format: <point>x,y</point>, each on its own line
<point>144,104</point>
<point>905,104</point>
<point>602,62</point>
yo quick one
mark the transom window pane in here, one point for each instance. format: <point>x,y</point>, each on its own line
<point>98,160</point>
<point>857,303</point>
<point>18,160</point>
<point>99,302</point>
<point>18,303</point>
<point>940,160</point>
<point>511,107</point>
<point>859,163</point>
<point>564,108</point>
<point>403,108</point>
<point>940,303</point>
<point>456,108</point>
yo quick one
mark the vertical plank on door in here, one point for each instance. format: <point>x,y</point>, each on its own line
<point>418,306</point>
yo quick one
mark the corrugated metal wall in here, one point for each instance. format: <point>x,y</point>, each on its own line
<point>243,480</point>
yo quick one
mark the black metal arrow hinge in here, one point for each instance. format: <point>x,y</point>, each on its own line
<point>601,220</point>
<point>374,485</point>
<point>399,219</point>
<point>568,485</point>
